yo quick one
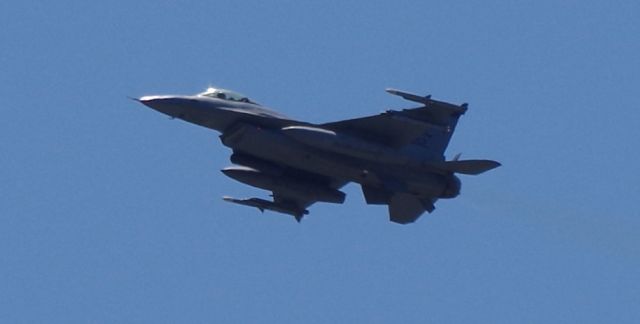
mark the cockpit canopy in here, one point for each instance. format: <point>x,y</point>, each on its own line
<point>225,95</point>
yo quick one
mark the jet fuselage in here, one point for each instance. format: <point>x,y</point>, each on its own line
<point>397,157</point>
<point>267,137</point>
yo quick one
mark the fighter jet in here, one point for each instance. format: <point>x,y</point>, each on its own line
<point>397,156</point>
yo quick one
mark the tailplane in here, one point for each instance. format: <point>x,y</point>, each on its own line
<point>471,167</point>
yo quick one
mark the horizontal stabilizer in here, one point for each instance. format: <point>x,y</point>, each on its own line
<point>405,208</point>
<point>472,167</point>
<point>376,196</point>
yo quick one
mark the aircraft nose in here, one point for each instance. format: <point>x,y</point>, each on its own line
<point>169,105</point>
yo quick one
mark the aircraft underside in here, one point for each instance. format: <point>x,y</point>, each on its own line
<point>397,157</point>
<point>299,176</point>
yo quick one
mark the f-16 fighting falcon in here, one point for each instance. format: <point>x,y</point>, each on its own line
<point>397,157</point>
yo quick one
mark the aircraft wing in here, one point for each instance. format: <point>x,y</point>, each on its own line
<point>435,119</point>
<point>390,128</point>
<point>299,206</point>
<point>290,202</point>
<point>281,198</point>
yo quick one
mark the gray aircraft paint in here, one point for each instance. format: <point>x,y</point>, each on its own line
<point>397,156</point>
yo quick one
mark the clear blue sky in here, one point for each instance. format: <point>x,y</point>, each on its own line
<point>111,213</point>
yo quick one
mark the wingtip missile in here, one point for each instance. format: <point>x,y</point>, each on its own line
<point>409,96</point>
<point>427,101</point>
<point>263,205</point>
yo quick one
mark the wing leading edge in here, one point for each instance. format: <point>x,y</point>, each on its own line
<point>429,126</point>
